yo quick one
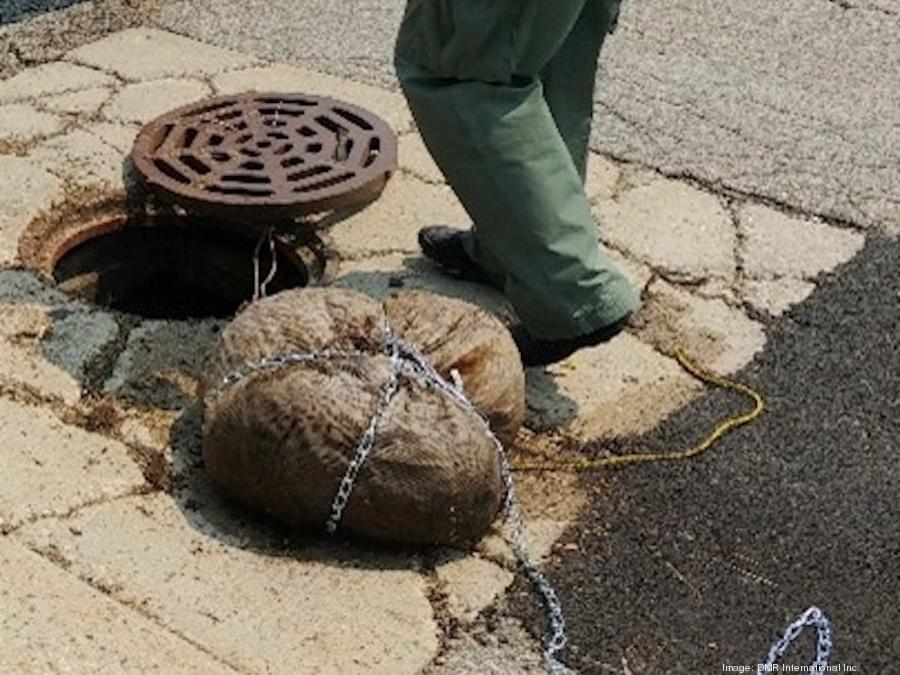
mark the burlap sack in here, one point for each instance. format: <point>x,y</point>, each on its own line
<point>280,441</point>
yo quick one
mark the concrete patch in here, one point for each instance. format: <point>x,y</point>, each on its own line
<point>25,190</point>
<point>617,389</point>
<point>76,337</point>
<point>391,223</point>
<point>148,54</point>
<point>714,334</point>
<point>319,609</point>
<point>280,78</point>
<point>145,101</point>
<point>46,340</point>
<point>471,585</point>
<point>53,623</point>
<point>23,329</point>
<point>502,649</point>
<point>673,227</point>
<point>17,287</point>
<point>51,468</point>
<point>50,79</point>
<point>21,123</point>
<point>777,245</point>
<point>162,362</point>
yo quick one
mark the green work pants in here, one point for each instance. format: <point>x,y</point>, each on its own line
<point>502,92</point>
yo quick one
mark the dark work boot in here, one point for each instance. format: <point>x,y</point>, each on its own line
<point>536,352</point>
<point>446,247</point>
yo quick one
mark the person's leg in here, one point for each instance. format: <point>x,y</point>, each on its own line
<point>470,71</point>
<point>570,76</point>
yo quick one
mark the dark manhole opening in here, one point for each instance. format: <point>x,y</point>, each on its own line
<point>175,268</point>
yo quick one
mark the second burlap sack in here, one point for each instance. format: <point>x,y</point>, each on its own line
<point>280,441</point>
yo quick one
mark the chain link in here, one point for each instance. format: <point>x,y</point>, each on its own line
<point>405,359</point>
<point>813,617</point>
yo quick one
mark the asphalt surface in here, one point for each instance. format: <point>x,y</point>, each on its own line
<point>37,31</point>
<point>682,568</point>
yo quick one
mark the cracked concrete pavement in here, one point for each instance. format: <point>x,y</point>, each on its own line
<point>124,527</point>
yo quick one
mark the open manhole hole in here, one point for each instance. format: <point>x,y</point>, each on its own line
<point>171,267</point>
<point>239,178</point>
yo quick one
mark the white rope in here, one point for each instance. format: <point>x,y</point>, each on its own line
<point>260,288</point>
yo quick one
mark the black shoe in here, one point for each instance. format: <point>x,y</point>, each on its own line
<point>535,352</point>
<point>447,248</point>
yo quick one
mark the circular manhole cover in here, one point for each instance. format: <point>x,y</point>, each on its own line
<point>266,157</point>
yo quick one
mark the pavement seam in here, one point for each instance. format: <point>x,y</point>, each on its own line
<point>61,563</point>
<point>721,190</point>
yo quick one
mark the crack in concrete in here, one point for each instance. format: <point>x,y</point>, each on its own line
<point>846,5</point>
<point>55,558</point>
<point>719,189</point>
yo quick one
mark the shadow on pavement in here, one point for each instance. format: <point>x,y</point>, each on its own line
<point>681,568</point>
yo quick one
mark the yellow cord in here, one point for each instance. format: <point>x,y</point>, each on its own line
<point>723,428</point>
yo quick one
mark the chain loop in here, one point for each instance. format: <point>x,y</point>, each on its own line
<point>813,617</point>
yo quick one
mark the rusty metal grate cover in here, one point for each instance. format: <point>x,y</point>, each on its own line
<point>266,157</point>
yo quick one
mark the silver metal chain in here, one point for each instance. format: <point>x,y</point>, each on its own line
<point>405,359</point>
<point>811,618</point>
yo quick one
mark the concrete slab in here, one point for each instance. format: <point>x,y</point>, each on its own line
<point>81,102</point>
<point>25,190</point>
<point>416,160</point>
<point>778,295</point>
<point>22,124</point>
<point>777,245</point>
<point>52,468</point>
<point>714,334</point>
<point>53,623</point>
<point>391,106</point>
<point>52,78</point>
<point>144,101</point>
<point>149,54</point>
<point>319,609</point>
<point>82,160</point>
<point>603,178</point>
<point>471,584</point>
<point>624,387</point>
<point>673,227</point>
<point>390,224</point>
<point>119,136</point>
